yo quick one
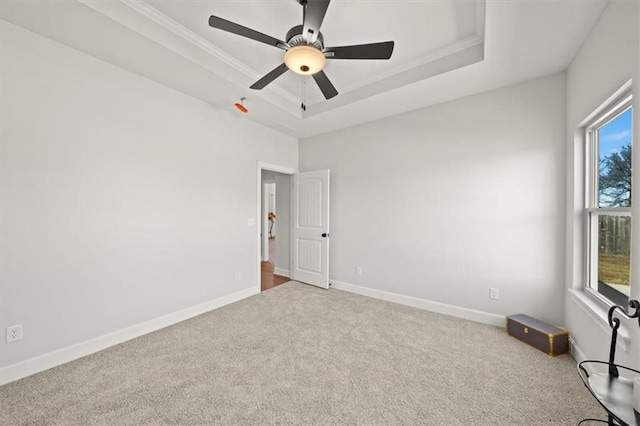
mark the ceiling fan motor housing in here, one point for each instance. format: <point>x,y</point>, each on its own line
<point>295,38</point>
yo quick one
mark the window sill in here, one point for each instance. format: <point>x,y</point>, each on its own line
<point>600,316</point>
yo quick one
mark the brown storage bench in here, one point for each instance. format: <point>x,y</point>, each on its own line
<point>548,338</point>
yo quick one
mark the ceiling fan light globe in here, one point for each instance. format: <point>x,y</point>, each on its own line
<point>305,60</point>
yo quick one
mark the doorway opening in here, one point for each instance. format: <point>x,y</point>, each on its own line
<point>274,225</point>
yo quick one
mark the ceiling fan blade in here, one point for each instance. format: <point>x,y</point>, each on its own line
<point>325,85</point>
<point>381,50</point>
<point>275,73</point>
<point>232,27</point>
<point>314,12</point>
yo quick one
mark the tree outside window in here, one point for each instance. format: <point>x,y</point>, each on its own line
<point>609,209</point>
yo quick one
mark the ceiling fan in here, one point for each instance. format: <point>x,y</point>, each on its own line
<point>304,48</point>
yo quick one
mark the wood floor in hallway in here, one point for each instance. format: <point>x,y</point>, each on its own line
<point>268,278</point>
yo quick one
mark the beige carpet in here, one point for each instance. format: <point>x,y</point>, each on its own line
<point>300,355</point>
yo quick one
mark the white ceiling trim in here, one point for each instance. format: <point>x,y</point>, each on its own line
<point>416,67</point>
<point>515,41</point>
<point>419,67</point>
<point>471,55</point>
<point>152,15</point>
<point>178,29</point>
<point>188,35</point>
<point>233,70</point>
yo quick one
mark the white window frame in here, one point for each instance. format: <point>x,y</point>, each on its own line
<point>592,210</point>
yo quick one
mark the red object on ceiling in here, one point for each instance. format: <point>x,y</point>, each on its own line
<point>241,107</point>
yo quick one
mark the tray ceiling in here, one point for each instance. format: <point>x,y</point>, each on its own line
<point>443,50</point>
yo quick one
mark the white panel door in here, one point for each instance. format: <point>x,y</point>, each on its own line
<point>311,228</point>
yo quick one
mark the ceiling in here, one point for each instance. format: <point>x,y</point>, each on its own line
<point>444,49</point>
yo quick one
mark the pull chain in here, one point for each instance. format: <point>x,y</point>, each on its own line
<point>303,105</point>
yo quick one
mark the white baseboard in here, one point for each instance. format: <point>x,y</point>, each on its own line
<point>281,272</point>
<point>49,360</point>
<point>576,352</point>
<point>579,356</point>
<point>428,305</point>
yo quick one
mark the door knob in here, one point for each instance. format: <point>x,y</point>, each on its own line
<point>325,235</point>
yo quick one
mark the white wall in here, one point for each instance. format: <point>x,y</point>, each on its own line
<point>442,203</point>
<point>123,201</point>
<point>606,61</point>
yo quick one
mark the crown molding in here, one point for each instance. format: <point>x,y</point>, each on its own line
<point>180,30</point>
<point>171,34</point>
<point>120,11</point>
<point>415,66</point>
<point>188,35</point>
<point>422,62</point>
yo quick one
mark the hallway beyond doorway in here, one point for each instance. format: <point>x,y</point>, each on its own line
<point>268,279</point>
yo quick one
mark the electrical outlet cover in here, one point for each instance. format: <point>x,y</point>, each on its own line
<point>14,333</point>
<point>494,293</point>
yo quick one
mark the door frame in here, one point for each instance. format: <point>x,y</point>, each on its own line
<point>272,168</point>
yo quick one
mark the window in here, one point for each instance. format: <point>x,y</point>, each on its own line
<point>608,199</point>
